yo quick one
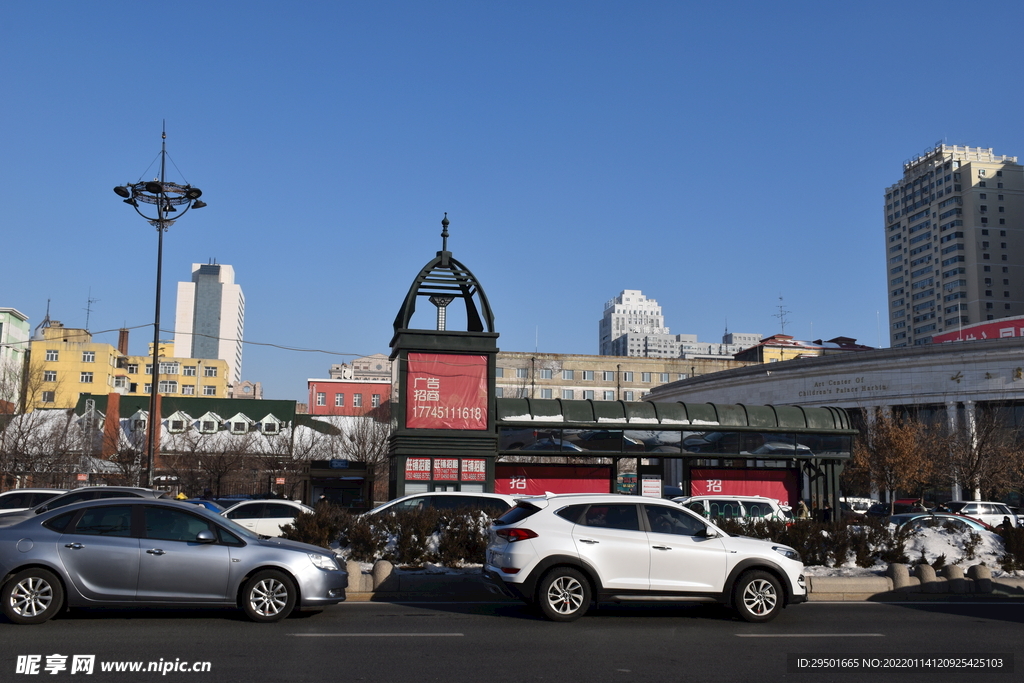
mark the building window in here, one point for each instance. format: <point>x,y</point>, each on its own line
<point>209,391</point>
<point>188,389</point>
<point>609,395</point>
<point>149,369</point>
<point>147,389</point>
<point>609,376</point>
<point>88,356</point>
<point>588,395</point>
<point>177,426</point>
<point>49,375</point>
<point>627,377</point>
<point>321,398</point>
<point>545,393</point>
<point>188,370</point>
<point>499,392</point>
<point>499,372</point>
<point>357,400</point>
<point>169,368</point>
<point>588,375</point>
<point>168,386</point>
<point>52,354</point>
<point>209,372</point>
<point>664,377</point>
<point>628,396</point>
<point>238,428</point>
<point>375,400</point>
<point>567,394</point>
<point>121,382</point>
<point>86,378</point>
<point>48,397</point>
<point>545,373</point>
<point>339,400</point>
<point>645,377</point>
<point>568,374</point>
<point>131,368</point>
<point>270,428</point>
<point>208,426</point>
<point>522,373</point>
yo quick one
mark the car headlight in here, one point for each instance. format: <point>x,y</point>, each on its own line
<point>324,562</point>
<point>787,552</point>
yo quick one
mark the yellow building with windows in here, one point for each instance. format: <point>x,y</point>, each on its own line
<point>65,363</point>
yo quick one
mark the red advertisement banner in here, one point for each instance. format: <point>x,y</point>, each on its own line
<point>535,480</point>
<point>446,469</point>
<point>417,469</point>
<point>474,469</point>
<point>778,484</point>
<point>446,391</point>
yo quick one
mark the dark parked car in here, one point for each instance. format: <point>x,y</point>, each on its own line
<point>77,496</point>
<point>149,552</point>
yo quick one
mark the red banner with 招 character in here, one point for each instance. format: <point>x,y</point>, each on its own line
<point>446,391</point>
<point>779,484</point>
<point>536,480</point>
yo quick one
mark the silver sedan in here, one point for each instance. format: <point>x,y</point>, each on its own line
<point>145,552</point>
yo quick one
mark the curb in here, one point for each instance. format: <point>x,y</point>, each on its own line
<point>900,584</point>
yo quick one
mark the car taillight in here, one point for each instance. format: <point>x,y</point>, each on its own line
<point>513,535</point>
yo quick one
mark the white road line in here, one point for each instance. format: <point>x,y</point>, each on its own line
<point>810,635</point>
<point>377,635</point>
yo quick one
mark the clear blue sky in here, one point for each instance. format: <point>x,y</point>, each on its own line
<point>713,155</point>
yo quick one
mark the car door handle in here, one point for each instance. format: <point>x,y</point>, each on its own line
<point>155,551</point>
<point>588,540</point>
<point>661,547</point>
<point>74,546</point>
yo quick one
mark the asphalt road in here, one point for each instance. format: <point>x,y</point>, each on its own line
<point>504,642</point>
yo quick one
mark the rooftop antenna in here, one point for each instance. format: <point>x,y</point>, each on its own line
<point>88,308</point>
<point>781,315</point>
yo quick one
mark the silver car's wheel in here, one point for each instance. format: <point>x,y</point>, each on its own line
<point>563,594</point>
<point>757,596</point>
<point>268,596</point>
<point>32,596</point>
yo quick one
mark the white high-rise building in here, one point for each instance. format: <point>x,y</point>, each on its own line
<point>210,317</point>
<point>954,243</point>
<point>629,312</point>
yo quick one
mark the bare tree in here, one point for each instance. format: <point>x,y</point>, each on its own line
<point>366,440</point>
<point>898,452</point>
<point>983,454</point>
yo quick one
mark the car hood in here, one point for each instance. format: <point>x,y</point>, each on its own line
<point>745,544</point>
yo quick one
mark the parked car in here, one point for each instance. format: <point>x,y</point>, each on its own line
<point>987,511</point>
<point>17,500</point>
<point>265,517</point>
<point>494,504</point>
<point>736,507</point>
<point>208,504</point>
<point>858,505</point>
<point>78,495</point>
<point>561,552</point>
<point>150,552</point>
<point>929,520</point>
<point>898,507</point>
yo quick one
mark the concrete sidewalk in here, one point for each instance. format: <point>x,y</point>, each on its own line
<point>901,584</point>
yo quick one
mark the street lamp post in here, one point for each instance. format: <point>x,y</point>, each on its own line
<point>167,198</point>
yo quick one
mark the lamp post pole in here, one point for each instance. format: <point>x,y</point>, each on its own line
<point>166,197</point>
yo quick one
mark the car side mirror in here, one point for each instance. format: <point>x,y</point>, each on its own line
<point>206,536</point>
<point>707,532</point>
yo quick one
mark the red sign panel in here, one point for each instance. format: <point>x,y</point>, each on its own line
<point>474,469</point>
<point>417,469</point>
<point>446,391</point>
<point>778,484</point>
<point>535,480</point>
<point>1008,327</point>
<point>446,469</point>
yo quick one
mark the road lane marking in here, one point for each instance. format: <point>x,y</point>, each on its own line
<point>810,635</point>
<point>377,635</point>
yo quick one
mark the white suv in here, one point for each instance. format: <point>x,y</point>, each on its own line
<point>736,507</point>
<point>560,552</point>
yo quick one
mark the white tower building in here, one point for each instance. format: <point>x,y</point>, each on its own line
<point>210,317</point>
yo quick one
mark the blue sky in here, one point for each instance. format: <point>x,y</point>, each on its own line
<point>716,156</point>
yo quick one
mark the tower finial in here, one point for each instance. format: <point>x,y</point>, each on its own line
<point>444,232</point>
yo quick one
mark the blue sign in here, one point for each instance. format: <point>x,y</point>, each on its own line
<point>339,464</point>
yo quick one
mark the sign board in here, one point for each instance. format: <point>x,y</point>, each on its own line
<point>535,480</point>
<point>279,481</point>
<point>446,391</point>
<point>474,469</point>
<point>779,484</point>
<point>417,469</point>
<point>82,477</point>
<point>650,486</point>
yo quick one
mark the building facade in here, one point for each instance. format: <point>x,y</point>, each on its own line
<point>633,325</point>
<point>210,317</point>
<point>354,397</point>
<point>14,334</point>
<point>66,363</point>
<point>954,242</point>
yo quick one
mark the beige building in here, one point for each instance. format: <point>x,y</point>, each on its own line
<point>65,362</point>
<point>598,378</point>
<point>954,240</point>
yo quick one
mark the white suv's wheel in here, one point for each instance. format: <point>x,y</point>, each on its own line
<point>563,594</point>
<point>757,596</point>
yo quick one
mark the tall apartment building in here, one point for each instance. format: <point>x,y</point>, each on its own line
<point>633,325</point>
<point>210,317</point>
<point>954,241</point>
